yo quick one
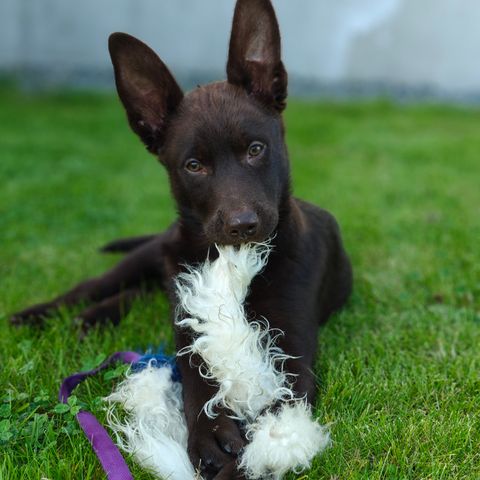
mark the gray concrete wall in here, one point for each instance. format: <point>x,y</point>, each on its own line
<point>434,42</point>
<point>410,43</point>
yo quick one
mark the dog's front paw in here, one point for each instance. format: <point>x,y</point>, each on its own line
<point>230,472</point>
<point>99,314</point>
<point>214,444</point>
<point>34,315</point>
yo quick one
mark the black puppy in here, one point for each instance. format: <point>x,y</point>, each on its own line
<point>223,146</point>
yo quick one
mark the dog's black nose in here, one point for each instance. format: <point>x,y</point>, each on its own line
<point>242,225</point>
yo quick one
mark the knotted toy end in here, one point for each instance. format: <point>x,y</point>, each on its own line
<point>283,440</point>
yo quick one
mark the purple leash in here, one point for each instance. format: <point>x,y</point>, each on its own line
<point>107,452</point>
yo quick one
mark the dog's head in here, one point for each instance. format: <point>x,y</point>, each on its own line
<point>223,143</point>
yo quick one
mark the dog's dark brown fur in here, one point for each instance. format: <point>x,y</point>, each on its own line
<point>223,146</point>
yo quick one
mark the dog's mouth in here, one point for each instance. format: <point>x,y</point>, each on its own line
<point>241,241</point>
<point>243,238</point>
<point>241,227</point>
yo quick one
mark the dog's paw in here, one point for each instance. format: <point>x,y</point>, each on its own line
<point>109,311</point>
<point>213,444</point>
<point>34,315</point>
<point>229,472</point>
<point>97,315</point>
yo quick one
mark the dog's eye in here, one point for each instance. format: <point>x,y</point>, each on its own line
<point>256,149</point>
<point>193,166</point>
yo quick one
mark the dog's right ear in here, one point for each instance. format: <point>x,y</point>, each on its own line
<point>146,88</point>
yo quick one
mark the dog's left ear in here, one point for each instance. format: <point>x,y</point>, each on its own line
<point>254,57</point>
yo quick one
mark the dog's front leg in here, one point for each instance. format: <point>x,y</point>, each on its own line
<point>140,266</point>
<point>213,443</point>
<point>299,326</point>
<point>301,345</point>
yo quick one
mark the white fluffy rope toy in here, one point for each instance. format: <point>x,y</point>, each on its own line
<point>238,355</point>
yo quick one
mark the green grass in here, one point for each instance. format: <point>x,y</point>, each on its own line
<point>398,369</point>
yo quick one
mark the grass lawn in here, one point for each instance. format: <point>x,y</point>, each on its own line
<point>398,369</point>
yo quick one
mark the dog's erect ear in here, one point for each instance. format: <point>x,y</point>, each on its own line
<point>147,89</point>
<point>254,57</point>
